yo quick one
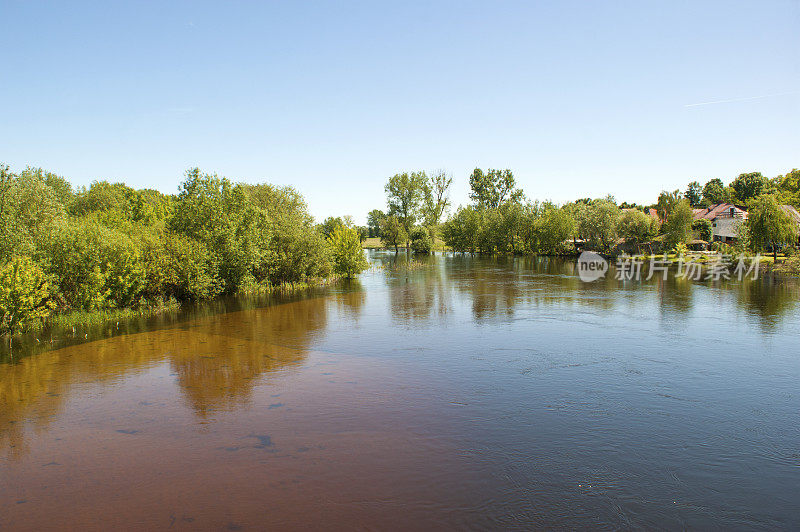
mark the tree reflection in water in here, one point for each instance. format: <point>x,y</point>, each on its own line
<point>218,360</point>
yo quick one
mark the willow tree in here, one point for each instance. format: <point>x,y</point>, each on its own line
<point>769,225</point>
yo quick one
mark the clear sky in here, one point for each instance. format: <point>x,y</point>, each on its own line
<point>577,98</point>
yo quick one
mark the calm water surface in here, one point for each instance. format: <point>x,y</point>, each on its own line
<point>471,393</point>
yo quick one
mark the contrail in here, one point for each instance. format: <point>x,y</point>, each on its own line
<point>748,98</point>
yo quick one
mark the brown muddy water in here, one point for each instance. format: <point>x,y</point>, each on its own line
<point>468,394</point>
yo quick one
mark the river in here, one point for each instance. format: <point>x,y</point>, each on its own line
<point>468,393</point>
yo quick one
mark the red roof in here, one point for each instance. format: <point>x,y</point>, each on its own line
<point>720,210</point>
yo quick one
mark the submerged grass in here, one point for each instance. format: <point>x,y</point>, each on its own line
<point>83,318</point>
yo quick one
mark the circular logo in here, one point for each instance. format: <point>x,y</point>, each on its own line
<point>591,266</point>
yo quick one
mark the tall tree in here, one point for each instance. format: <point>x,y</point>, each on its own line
<point>404,195</point>
<point>714,192</point>
<point>678,226</point>
<point>493,188</point>
<point>667,201</point>
<point>769,225</point>
<point>436,199</point>
<point>749,186</point>
<point>392,232</point>
<point>694,194</point>
<point>789,186</point>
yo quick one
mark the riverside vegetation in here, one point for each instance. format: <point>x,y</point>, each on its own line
<point>109,251</point>
<point>112,251</point>
<point>501,220</point>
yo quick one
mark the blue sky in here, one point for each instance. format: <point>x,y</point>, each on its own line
<point>577,98</point>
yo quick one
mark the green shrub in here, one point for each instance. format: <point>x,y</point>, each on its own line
<point>190,270</point>
<point>421,241</point>
<point>24,294</point>
<point>348,257</point>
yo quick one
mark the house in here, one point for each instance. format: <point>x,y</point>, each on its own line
<point>725,219</point>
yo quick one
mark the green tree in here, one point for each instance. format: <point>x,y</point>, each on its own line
<point>694,194</point>
<point>667,201</point>
<point>436,199</point>
<point>769,225</point>
<point>374,218</point>
<point>554,227</point>
<point>461,232</point>
<point>492,188</point>
<point>598,224</point>
<point>714,192</point>
<point>789,187</point>
<point>348,257</point>
<point>30,211</point>
<point>330,224</point>
<point>404,196</point>
<point>24,294</point>
<point>636,227</point>
<point>748,186</point>
<point>678,226</point>
<point>703,229</point>
<point>393,234</point>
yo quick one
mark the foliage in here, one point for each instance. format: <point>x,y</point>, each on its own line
<point>598,224</point>
<point>393,234</point>
<point>680,249</point>
<point>348,257</point>
<point>109,246</point>
<point>678,226</point>
<point>714,192</point>
<point>330,224</point>
<point>435,197</point>
<point>421,241</point>
<point>404,195</point>
<point>769,225</point>
<point>24,294</point>
<point>30,211</point>
<point>702,229</point>
<point>374,218</point>
<point>553,228</point>
<point>636,227</point>
<point>789,187</point>
<point>492,188</point>
<point>694,194</point>
<point>749,185</point>
<point>667,201</point>
<point>460,232</point>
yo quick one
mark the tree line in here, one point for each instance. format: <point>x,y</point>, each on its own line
<point>110,246</point>
<point>500,219</point>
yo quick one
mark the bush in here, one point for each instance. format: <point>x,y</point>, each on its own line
<point>190,269</point>
<point>421,241</point>
<point>24,295</point>
<point>348,257</point>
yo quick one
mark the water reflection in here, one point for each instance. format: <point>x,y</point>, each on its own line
<point>217,360</point>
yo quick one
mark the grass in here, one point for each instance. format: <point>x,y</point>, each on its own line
<point>375,243</point>
<point>81,318</point>
<point>372,243</point>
